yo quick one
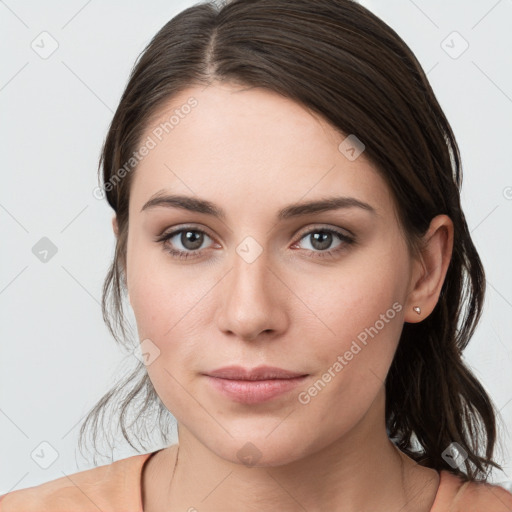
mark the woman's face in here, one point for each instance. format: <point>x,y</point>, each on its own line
<point>260,288</point>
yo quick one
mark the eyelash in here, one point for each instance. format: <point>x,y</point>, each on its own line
<point>348,240</point>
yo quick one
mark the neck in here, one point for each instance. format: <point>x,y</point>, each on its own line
<point>361,471</point>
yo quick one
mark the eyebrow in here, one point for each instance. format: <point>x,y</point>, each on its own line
<point>160,199</point>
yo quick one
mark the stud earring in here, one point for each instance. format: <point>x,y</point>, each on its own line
<point>417,309</point>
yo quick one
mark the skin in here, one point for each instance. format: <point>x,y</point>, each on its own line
<point>252,152</point>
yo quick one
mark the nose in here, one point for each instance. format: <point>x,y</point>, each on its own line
<point>252,303</point>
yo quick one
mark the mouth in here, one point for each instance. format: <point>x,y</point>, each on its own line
<point>251,386</point>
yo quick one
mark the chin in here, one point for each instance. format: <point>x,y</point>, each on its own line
<point>261,449</point>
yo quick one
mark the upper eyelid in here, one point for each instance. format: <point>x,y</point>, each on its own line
<point>179,229</point>
<point>320,227</point>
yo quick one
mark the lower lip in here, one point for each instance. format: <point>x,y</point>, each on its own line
<point>254,391</point>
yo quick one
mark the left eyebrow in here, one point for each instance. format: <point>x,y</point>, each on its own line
<point>322,205</point>
<point>293,210</point>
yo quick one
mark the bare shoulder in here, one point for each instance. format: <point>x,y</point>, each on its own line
<point>483,497</point>
<point>100,488</point>
<point>55,494</point>
<point>458,495</point>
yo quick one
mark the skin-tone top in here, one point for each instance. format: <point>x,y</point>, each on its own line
<point>116,487</point>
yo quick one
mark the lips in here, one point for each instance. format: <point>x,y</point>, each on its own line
<point>252,386</point>
<point>259,373</point>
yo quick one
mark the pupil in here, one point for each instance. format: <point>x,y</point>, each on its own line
<point>327,238</point>
<point>191,240</point>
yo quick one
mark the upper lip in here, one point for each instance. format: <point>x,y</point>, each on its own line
<point>259,373</point>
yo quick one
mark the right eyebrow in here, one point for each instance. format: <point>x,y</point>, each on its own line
<point>184,202</point>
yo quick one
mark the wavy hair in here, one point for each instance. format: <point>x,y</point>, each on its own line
<point>339,60</point>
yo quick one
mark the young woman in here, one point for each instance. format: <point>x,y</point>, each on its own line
<point>291,241</point>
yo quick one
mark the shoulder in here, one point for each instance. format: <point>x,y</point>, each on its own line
<point>480,497</point>
<point>458,495</point>
<point>114,486</point>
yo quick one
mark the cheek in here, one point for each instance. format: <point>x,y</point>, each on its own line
<point>167,312</point>
<point>352,364</point>
<point>161,295</point>
<point>367,329</point>
<point>170,308</point>
<point>163,313</point>
<point>355,297</point>
<point>361,313</point>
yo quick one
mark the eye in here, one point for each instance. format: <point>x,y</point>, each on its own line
<point>322,238</point>
<point>190,239</point>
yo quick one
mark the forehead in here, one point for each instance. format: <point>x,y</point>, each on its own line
<point>249,147</point>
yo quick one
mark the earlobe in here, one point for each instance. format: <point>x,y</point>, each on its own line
<point>430,270</point>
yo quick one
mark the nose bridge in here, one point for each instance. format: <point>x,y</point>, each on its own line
<point>250,304</point>
<point>250,266</point>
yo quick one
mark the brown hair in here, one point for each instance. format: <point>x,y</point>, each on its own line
<point>339,60</point>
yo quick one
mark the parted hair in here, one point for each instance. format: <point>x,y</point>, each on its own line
<point>339,60</point>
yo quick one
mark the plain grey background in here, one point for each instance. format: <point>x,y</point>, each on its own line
<point>65,65</point>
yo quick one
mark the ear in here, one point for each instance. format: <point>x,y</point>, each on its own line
<point>430,269</point>
<point>115,226</point>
